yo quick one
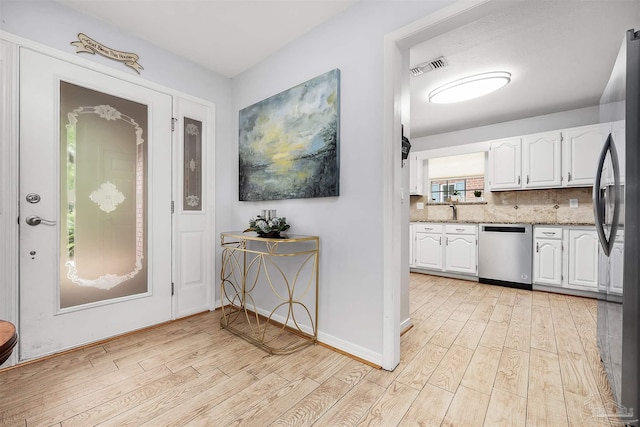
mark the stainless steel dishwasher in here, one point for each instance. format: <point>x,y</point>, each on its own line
<point>505,255</point>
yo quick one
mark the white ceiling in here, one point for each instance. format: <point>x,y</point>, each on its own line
<point>560,54</point>
<point>226,36</point>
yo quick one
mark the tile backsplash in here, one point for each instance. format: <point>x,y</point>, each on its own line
<point>550,206</point>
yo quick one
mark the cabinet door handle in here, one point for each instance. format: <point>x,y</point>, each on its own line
<point>568,176</point>
<point>537,247</point>
<point>440,241</point>
<point>527,179</point>
<point>518,180</point>
<point>447,241</point>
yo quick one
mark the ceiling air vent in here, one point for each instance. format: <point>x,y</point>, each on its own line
<point>425,67</point>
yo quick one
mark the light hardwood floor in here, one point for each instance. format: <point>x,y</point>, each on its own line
<point>478,355</point>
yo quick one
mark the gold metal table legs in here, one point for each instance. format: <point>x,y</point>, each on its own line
<point>269,290</point>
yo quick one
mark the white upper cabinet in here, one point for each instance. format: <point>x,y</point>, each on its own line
<point>416,174</point>
<point>561,158</point>
<point>582,148</point>
<point>541,160</point>
<point>505,164</point>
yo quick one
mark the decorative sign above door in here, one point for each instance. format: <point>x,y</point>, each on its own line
<point>88,45</point>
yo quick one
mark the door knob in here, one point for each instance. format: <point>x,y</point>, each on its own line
<point>36,220</point>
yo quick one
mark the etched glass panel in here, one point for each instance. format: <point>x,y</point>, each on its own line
<point>192,177</point>
<point>103,194</point>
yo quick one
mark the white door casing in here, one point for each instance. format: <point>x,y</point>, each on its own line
<point>193,217</point>
<point>45,328</point>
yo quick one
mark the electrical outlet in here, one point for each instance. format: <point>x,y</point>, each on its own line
<point>420,205</point>
<point>573,203</point>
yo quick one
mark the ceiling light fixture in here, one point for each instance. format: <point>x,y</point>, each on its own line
<point>469,87</point>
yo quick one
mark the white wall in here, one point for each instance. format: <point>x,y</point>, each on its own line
<point>349,226</point>
<point>50,24</point>
<point>54,25</point>
<point>561,120</point>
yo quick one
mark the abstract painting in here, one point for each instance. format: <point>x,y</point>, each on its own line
<point>289,142</point>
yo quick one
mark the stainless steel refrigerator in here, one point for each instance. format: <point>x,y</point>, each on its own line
<point>616,195</point>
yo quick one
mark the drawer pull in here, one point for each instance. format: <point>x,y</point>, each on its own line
<point>460,229</point>
<point>549,233</point>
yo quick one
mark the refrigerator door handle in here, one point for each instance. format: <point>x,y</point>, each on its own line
<point>617,192</point>
<point>597,199</point>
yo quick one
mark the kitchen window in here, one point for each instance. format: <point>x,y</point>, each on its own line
<point>456,178</point>
<point>464,188</point>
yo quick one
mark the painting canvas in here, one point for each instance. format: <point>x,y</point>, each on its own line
<point>289,142</point>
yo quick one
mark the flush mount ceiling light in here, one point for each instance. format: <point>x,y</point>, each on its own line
<point>469,87</point>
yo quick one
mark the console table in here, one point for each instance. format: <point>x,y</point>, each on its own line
<point>269,289</point>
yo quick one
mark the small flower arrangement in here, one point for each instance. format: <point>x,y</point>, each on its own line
<point>268,227</point>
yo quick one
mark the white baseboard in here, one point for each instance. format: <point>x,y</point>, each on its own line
<point>328,339</point>
<point>351,348</point>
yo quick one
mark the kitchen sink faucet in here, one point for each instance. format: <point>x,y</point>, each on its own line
<point>455,211</point>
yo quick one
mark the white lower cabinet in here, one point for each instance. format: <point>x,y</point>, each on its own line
<point>566,257</point>
<point>582,257</point>
<point>446,247</point>
<point>617,263</point>
<point>547,256</point>
<point>428,246</point>
<point>461,243</point>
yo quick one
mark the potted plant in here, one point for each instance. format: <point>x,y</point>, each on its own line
<point>455,196</point>
<point>268,227</point>
<point>477,193</point>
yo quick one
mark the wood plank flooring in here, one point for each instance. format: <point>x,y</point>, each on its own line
<point>478,355</point>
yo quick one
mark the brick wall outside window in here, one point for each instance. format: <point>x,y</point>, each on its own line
<point>441,189</point>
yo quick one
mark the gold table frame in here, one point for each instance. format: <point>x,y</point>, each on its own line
<point>242,252</point>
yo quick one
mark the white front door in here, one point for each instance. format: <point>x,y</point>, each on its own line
<point>95,206</point>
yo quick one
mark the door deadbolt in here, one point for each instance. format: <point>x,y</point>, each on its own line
<point>33,198</point>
